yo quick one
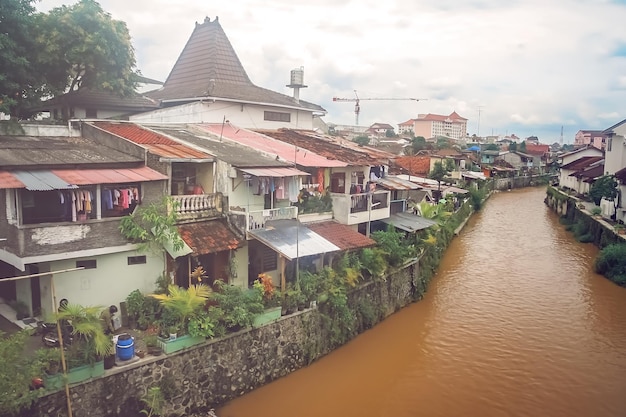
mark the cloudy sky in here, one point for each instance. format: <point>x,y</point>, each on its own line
<point>526,67</point>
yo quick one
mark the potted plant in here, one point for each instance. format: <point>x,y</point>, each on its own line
<point>152,345</point>
<point>619,228</point>
<point>238,306</point>
<point>179,306</point>
<point>596,212</point>
<point>271,299</point>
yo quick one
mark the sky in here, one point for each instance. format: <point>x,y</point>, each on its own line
<point>523,67</point>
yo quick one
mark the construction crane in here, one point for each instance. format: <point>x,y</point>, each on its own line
<point>357,105</point>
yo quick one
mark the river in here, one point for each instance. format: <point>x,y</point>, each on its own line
<point>515,323</point>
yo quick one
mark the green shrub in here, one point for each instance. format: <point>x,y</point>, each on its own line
<point>611,262</point>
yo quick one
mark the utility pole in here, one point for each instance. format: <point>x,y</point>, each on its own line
<point>478,129</point>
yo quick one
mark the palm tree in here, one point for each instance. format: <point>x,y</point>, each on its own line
<point>88,335</point>
<point>183,303</point>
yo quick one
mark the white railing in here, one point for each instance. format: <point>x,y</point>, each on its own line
<point>197,205</point>
<point>257,219</point>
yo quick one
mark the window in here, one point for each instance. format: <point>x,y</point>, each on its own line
<point>136,260</point>
<point>87,264</point>
<point>268,259</point>
<point>609,144</point>
<point>58,205</point>
<point>275,116</point>
<point>91,113</point>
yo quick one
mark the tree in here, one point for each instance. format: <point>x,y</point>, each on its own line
<point>389,133</point>
<point>70,48</point>
<point>513,147</point>
<point>417,144</point>
<point>438,173</point>
<point>443,142</point>
<point>16,374</point>
<point>605,187</point>
<point>522,147</point>
<point>362,140</point>
<point>492,147</point>
<point>18,77</point>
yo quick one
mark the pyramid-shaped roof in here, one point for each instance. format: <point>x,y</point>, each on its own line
<point>208,67</point>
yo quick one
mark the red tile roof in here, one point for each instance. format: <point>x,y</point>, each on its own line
<point>413,165</point>
<point>341,235</point>
<point>209,237</point>
<point>537,149</point>
<point>454,116</point>
<point>155,142</point>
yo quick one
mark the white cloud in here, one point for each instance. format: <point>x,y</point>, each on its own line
<point>531,65</point>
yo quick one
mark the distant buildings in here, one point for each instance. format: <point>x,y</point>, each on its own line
<point>433,125</point>
<point>595,138</point>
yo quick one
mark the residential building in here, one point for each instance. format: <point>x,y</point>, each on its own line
<point>434,125</point>
<point>522,162</point>
<point>615,164</point>
<point>595,138</point>
<point>578,175</point>
<point>62,199</point>
<point>209,84</point>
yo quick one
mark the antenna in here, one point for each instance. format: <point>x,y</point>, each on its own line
<point>561,139</point>
<point>478,128</point>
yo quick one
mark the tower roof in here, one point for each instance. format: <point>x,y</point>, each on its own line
<point>209,67</point>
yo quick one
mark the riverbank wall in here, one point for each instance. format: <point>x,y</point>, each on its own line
<point>205,376</point>
<point>576,215</point>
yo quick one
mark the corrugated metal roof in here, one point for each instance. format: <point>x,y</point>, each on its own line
<point>271,146</point>
<point>42,181</point>
<point>60,179</point>
<point>409,222</point>
<point>274,172</point>
<point>156,143</point>
<point>395,183</point>
<point>341,235</point>
<point>209,237</point>
<point>109,176</point>
<point>292,240</point>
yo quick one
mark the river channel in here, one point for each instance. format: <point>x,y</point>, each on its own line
<point>515,323</point>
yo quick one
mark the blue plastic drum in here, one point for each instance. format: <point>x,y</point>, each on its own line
<point>125,347</point>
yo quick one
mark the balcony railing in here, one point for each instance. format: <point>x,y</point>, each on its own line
<point>196,206</point>
<point>354,208</point>
<point>246,221</point>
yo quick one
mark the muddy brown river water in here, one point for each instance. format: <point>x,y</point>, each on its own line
<point>515,324</point>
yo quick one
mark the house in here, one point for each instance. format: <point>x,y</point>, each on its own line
<point>595,138</point>
<point>208,83</point>
<point>584,151</point>
<point>443,155</point>
<point>541,156</point>
<point>380,129</point>
<point>434,125</point>
<point>615,164</point>
<point>61,201</point>
<point>580,174</point>
<point>406,128</point>
<point>521,161</point>
<point>567,163</point>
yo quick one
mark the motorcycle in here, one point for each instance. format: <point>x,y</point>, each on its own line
<point>50,335</point>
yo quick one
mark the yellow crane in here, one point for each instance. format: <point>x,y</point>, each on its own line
<point>357,100</point>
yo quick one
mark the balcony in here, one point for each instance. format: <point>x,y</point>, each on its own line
<point>359,208</point>
<point>197,206</point>
<point>257,219</point>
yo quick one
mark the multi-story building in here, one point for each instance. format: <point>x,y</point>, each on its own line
<point>615,164</point>
<point>434,125</point>
<point>595,138</point>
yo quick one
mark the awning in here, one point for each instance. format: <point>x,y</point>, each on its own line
<point>61,179</point>
<point>42,181</point>
<point>341,235</point>
<point>209,237</point>
<point>169,248</point>
<point>409,222</point>
<point>292,240</point>
<point>274,172</point>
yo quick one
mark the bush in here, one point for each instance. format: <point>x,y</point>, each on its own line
<point>611,262</point>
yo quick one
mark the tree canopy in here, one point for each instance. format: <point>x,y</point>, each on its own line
<point>43,55</point>
<point>604,187</point>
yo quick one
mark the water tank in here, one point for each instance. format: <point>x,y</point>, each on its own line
<point>297,77</point>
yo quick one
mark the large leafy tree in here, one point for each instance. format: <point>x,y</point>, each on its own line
<point>438,173</point>
<point>43,55</point>
<point>83,47</point>
<point>18,78</point>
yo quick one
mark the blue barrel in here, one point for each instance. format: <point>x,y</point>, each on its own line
<point>125,347</point>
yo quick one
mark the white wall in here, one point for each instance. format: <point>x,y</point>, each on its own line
<point>109,283</point>
<point>243,115</point>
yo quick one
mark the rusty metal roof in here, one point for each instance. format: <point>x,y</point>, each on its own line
<point>341,235</point>
<point>274,172</point>
<point>391,182</point>
<point>270,146</point>
<point>331,147</point>
<point>155,142</point>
